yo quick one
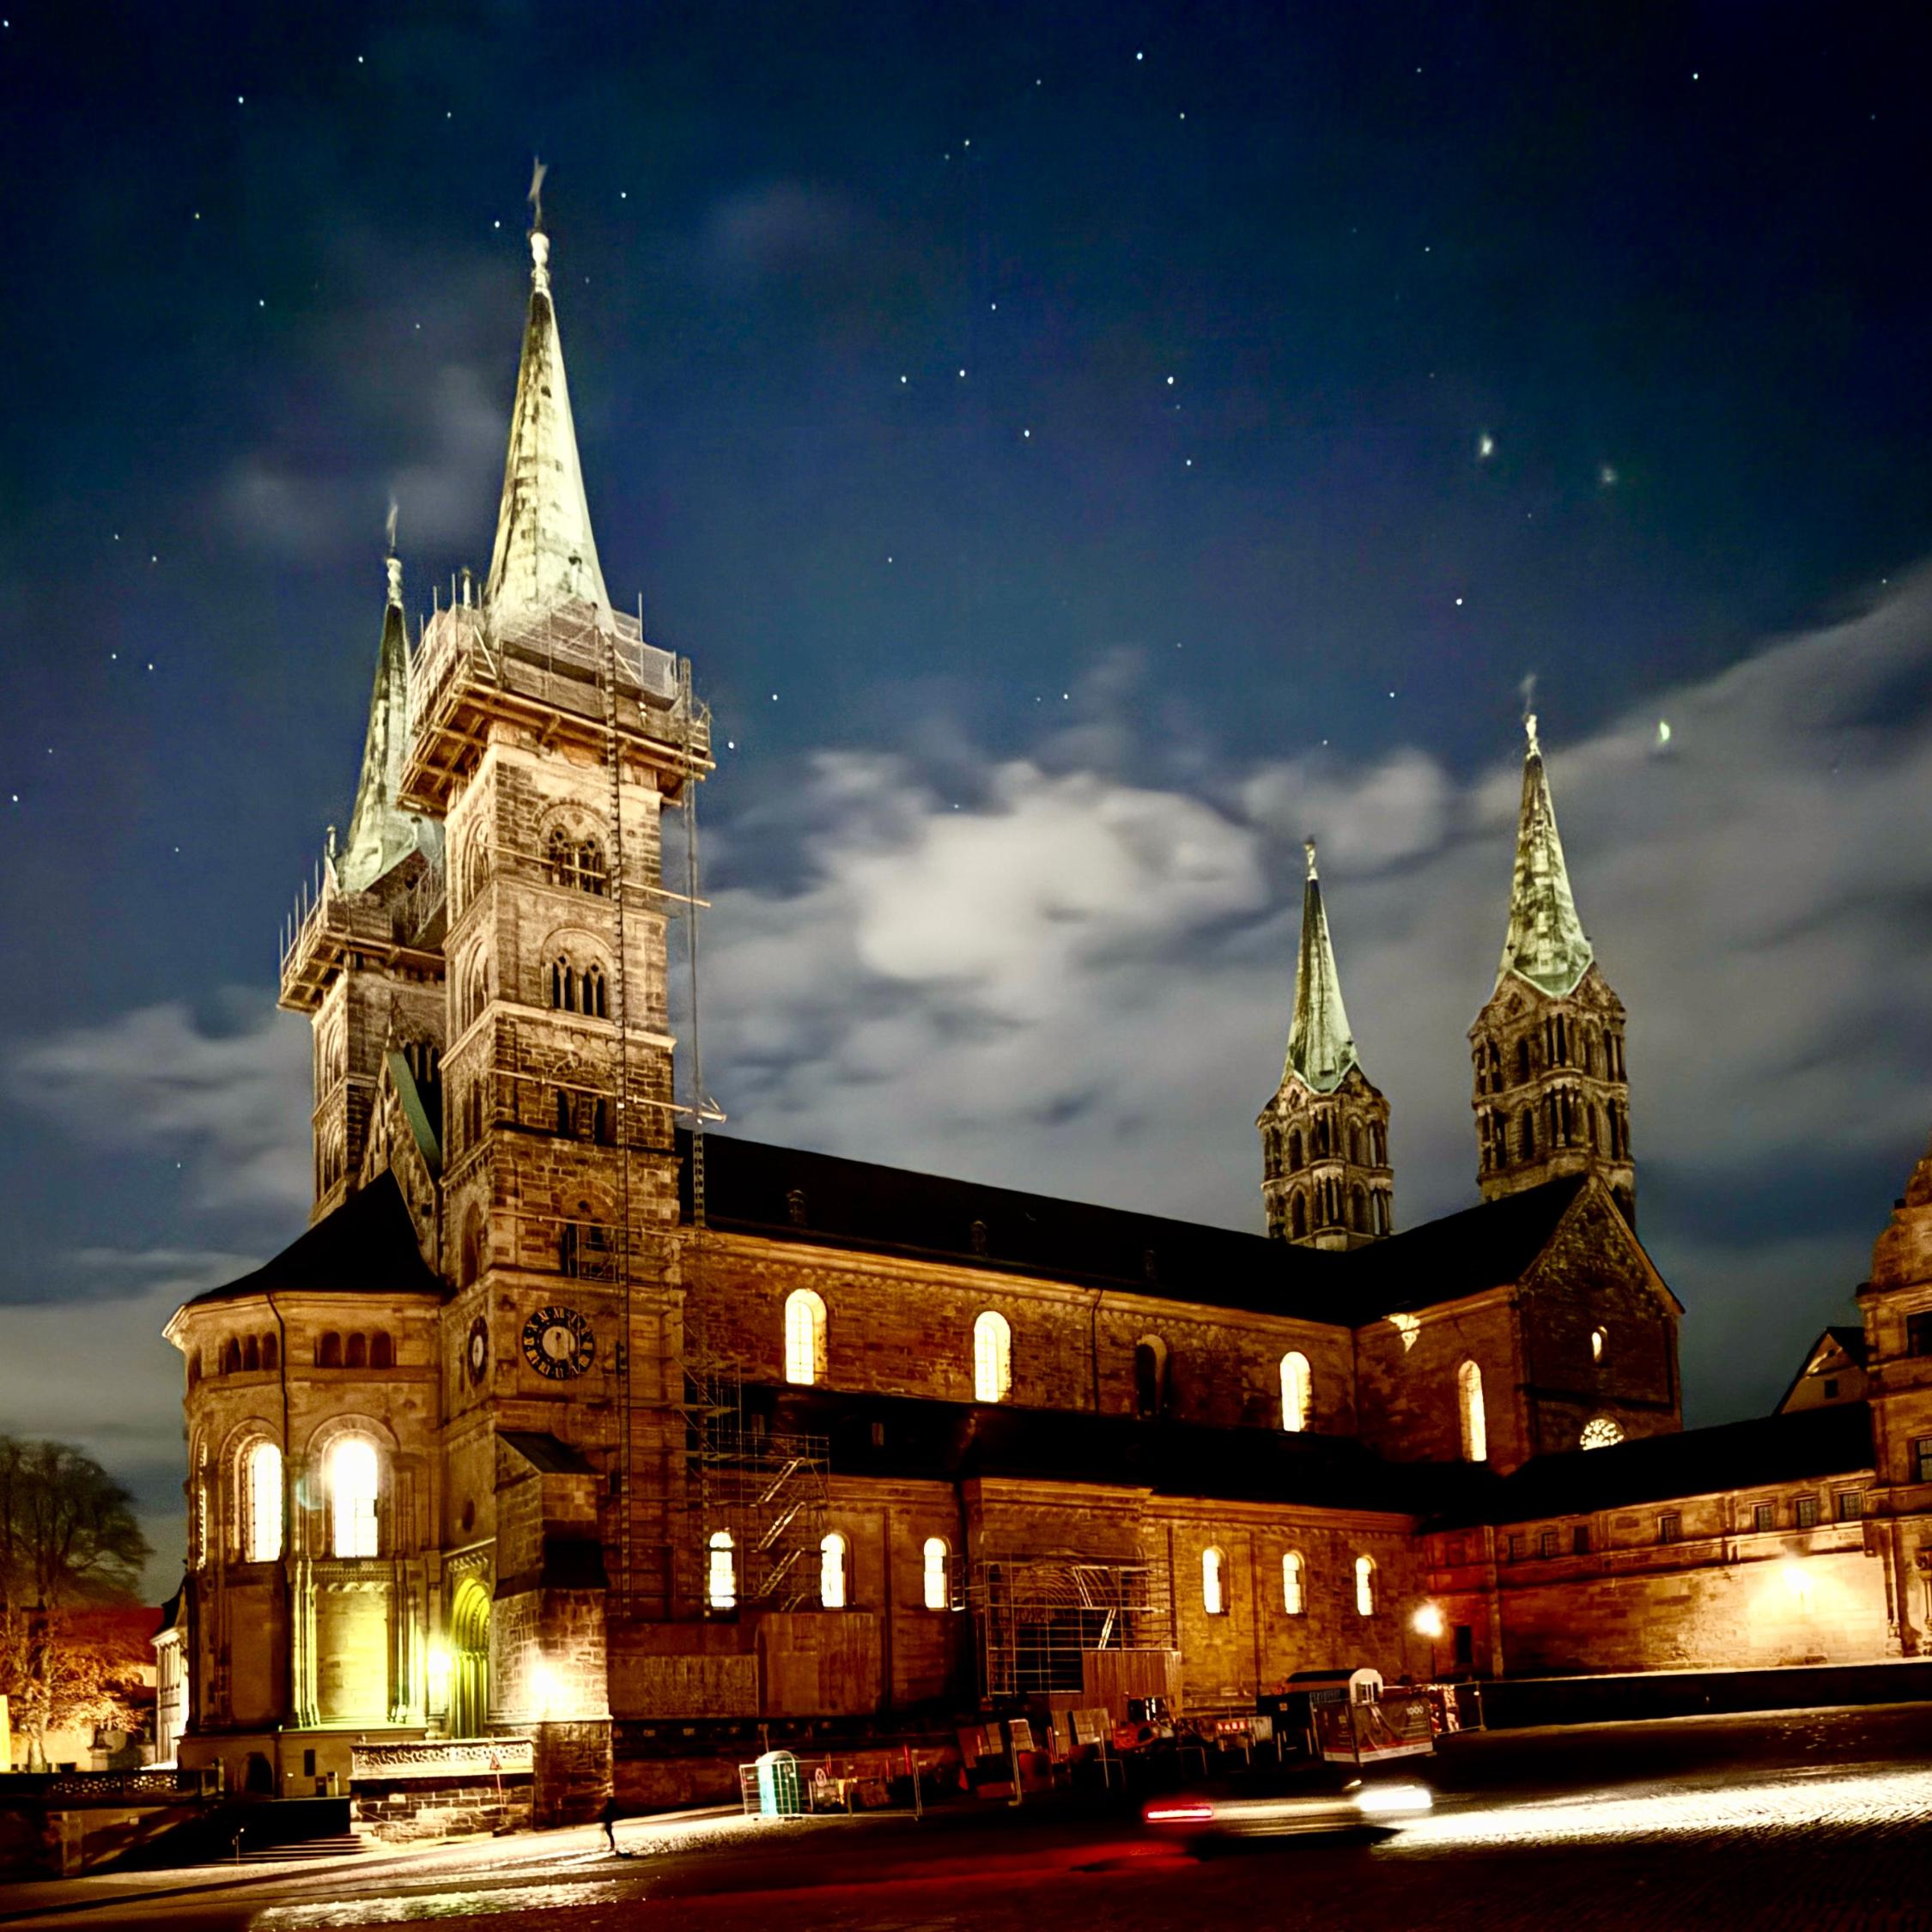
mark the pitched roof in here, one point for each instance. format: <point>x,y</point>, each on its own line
<point>544,555</point>
<point>911,1437</point>
<point>1847,1338</point>
<point>827,1200</point>
<point>1486,1246</point>
<point>381,835</point>
<point>1545,944</point>
<point>1321,1047</point>
<point>1805,1445</point>
<point>367,1245</point>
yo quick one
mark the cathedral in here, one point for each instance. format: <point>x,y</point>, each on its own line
<point>574,1448</point>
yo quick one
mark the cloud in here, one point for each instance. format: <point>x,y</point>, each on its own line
<point>231,1102</point>
<point>1080,983</point>
<point>775,228</point>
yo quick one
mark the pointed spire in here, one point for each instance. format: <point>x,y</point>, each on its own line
<point>545,555</point>
<point>1320,1048</point>
<point>380,833</point>
<point>1545,943</point>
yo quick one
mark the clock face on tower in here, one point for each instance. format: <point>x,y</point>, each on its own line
<point>557,1342</point>
<point>476,1350</point>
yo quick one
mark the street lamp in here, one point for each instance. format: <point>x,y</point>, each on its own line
<point>1428,1622</point>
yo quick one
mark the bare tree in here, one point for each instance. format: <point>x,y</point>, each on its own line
<point>69,1540</point>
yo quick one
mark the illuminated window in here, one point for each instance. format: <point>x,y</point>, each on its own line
<point>938,1591</point>
<point>1294,1391</point>
<point>353,1477</point>
<point>805,1337</point>
<point>199,1528</point>
<point>831,1572</point>
<point>1294,1584</point>
<point>1365,1586</point>
<point>1600,1432</point>
<point>1597,1339</point>
<point>1475,1418</point>
<point>1211,1600</point>
<point>261,1503</point>
<point>992,1359</point>
<point>720,1587</point>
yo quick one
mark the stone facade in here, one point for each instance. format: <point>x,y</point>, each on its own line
<point>565,1435</point>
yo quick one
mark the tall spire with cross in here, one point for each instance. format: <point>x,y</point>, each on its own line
<point>1551,1096</point>
<point>545,555</point>
<point>1325,1174</point>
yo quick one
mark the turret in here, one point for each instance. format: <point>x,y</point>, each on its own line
<point>1551,1095</point>
<point>1325,1174</point>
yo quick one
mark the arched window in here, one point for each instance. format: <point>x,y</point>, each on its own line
<point>1211,1599</point>
<point>831,1572</point>
<point>993,1357</point>
<point>1295,1160</point>
<point>721,1584</point>
<point>1522,1061</point>
<point>252,1353</point>
<point>354,1478</point>
<point>935,1573</point>
<point>1150,1376</point>
<point>231,1357</point>
<point>475,870</point>
<point>477,993</point>
<point>1294,1584</point>
<point>1598,1337</point>
<point>1365,1586</point>
<point>198,1528</point>
<point>1358,1209</point>
<point>1526,1134</point>
<point>261,1502</point>
<point>1600,1432</point>
<point>1354,1145</point>
<point>1381,1202</point>
<point>1297,1215</point>
<point>382,1351</point>
<point>469,1263</point>
<point>595,1002</point>
<point>271,1354</point>
<point>1294,1391</point>
<point>563,986</point>
<point>328,1351</point>
<point>356,1354</point>
<point>805,1337</point>
<point>1469,1406</point>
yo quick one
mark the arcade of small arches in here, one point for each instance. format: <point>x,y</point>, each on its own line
<point>1562,1118</point>
<point>241,1355</point>
<point>252,1500</point>
<point>1326,1202</point>
<point>360,1349</point>
<point>1556,1041</point>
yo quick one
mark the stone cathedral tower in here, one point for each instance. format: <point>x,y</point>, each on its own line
<point>1325,1174</point>
<point>365,961</point>
<point>1551,1093</point>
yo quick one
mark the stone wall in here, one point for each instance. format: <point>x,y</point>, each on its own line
<point>401,1810</point>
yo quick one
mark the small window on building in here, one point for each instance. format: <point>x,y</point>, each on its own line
<point>1763,1515</point>
<point>1475,1421</point>
<point>721,1584</point>
<point>1150,1377</point>
<point>382,1350</point>
<point>1294,1584</point>
<point>1580,1539</point>
<point>261,1503</point>
<point>1211,1599</point>
<point>1547,1545</point>
<point>353,1476</point>
<point>1598,1337</point>
<point>1804,1513</point>
<point>1365,1586</point>
<point>993,1357</point>
<point>328,1351</point>
<point>1922,1459</point>
<point>831,1572</point>
<point>1851,1505</point>
<point>805,1337</point>
<point>934,1574</point>
<point>1515,1549</point>
<point>1294,1391</point>
<point>1830,1389</point>
<point>1670,1526</point>
<point>356,1355</point>
<point>1600,1432</point>
<point>1918,1334</point>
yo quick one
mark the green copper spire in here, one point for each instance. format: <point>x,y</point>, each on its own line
<point>1320,1048</point>
<point>1545,943</point>
<point>545,555</point>
<point>380,833</point>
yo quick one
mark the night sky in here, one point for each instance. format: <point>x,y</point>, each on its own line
<point>1084,451</point>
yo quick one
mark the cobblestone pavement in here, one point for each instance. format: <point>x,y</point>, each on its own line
<point>1815,1820</point>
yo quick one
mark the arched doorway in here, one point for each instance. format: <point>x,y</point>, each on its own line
<point>469,1643</point>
